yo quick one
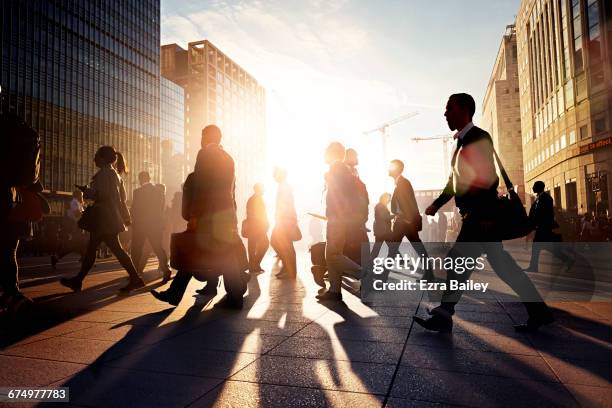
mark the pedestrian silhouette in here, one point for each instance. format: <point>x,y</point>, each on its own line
<point>542,218</point>
<point>407,221</point>
<point>209,206</point>
<point>148,205</point>
<point>286,229</point>
<point>75,239</point>
<point>106,218</point>
<point>473,183</point>
<point>255,228</point>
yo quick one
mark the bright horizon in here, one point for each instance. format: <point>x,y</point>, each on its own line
<point>334,69</point>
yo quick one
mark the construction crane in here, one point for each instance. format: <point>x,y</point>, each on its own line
<point>382,129</point>
<point>445,140</point>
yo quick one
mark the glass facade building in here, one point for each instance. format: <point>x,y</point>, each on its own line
<point>84,73</point>
<point>172,133</point>
<point>565,79</point>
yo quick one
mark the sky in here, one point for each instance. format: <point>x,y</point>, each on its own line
<point>333,69</point>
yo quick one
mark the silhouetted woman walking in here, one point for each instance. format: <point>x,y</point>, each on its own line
<point>108,217</point>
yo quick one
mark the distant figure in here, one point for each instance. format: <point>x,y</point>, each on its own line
<point>382,223</point>
<point>209,206</point>
<point>407,220</point>
<point>542,217</point>
<point>19,183</point>
<point>74,237</point>
<point>111,217</point>
<point>341,189</point>
<point>286,229</point>
<point>257,226</point>
<point>473,183</point>
<point>148,205</point>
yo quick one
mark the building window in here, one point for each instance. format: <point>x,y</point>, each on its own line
<point>563,141</point>
<point>572,137</point>
<point>577,25</point>
<point>571,195</point>
<point>594,31</point>
<point>584,132</point>
<point>599,125</point>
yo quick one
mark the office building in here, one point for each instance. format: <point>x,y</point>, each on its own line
<point>219,91</point>
<point>501,115</point>
<point>565,80</point>
<point>172,134</point>
<point>84,74</point>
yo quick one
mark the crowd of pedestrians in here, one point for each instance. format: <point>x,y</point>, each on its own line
<point>198,234</point>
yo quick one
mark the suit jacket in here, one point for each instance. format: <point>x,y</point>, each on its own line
<point>340,191</point>
<point>209,193</point>
<point>542,214</point>
<point>403,202</point>
<point>147,206</point>
<point>382,221</point>
<point>473,181</point>
<point>256,214</point>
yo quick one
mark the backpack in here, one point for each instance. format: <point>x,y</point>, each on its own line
<point>20,152</point>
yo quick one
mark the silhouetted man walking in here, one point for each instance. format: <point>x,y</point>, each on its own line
<point>147,215</point>
<point>542,218</point>
<point>408,221</point>
<point>473,183</point>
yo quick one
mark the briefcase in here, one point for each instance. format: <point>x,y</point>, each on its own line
<point>200,254</point>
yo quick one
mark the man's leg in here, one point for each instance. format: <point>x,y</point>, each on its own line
<point>177,288</point>
<point>534,262</point>
<point>234,284</point>
<point>337,263</point>
<point>413,236</point>
<point>112,241</point>
<point>155,239</point>
<point>137,245</point>
<point>262,248</point>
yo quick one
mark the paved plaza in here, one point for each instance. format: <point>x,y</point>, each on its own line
<point>284,349</point>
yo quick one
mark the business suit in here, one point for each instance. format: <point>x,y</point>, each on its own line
<point>473,184</point>
<point>542,218</point>
<point>209,206</point>
<point>147,217</point>
<point>408,221</point>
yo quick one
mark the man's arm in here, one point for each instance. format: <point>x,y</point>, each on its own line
<point>443,198</point>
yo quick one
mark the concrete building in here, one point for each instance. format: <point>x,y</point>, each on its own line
<point>565,80</point>
<point>83,74</point>
<point>501,112</point>
<point>218,91</point>
<point>172,132</point>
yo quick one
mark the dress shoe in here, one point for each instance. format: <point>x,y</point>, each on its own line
<point>229,303</point>
<point>73,283</point>
<point>167,276</point>
<point>208,290</point>
<point>318,273</point>
<point>133,284</point>
<point>330,296</point>
<point>435,323</point>
<point>164,297</point>
<point>535,322</point>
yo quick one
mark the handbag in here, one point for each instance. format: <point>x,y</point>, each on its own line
<point>30,207</point>
<point>89,219</point>
<point>200,253</point>
<point>511,217</point>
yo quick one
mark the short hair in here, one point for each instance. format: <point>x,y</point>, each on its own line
<point>465,101</point>
<point>211,134</point>
<point>335,150</point>
<point>144,175</point>
<point>399,164</point>
<point>539,186</point>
